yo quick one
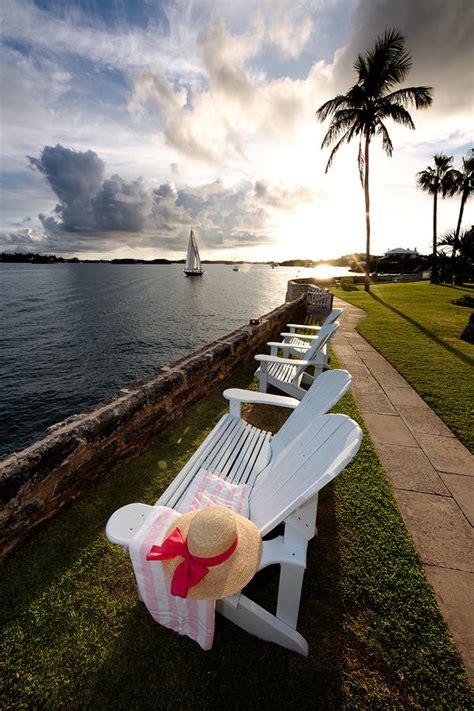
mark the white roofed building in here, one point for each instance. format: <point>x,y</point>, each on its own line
<point>399,251</point>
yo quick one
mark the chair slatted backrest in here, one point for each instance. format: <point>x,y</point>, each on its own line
<point>311,453</point>
<point>324,393</point>
<point>323,336</point>
<point>335,313</point>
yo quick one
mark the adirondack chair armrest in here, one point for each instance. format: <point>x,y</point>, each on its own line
<point>236,396</point>
<point>303,336</point>
<point>279,344</point>
<point>274,551</point>
<point>303,325</point>
<point>281,361</point>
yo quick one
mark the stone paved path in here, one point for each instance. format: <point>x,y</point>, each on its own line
<point>431,472</point>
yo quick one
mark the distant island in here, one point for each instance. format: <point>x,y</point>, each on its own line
<point>349,260</point>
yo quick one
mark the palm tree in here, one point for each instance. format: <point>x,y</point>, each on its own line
<point>464,184</point>
<point>362,111</point>
<point>440,179</point>
<point>461,244</point>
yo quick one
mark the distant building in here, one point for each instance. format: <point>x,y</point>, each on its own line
<point>401,261</point>
<point>399,251</point>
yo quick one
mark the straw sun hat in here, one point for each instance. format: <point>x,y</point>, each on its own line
<point>209,554</point>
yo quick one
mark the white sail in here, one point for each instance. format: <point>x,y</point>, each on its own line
<point>193,260</point>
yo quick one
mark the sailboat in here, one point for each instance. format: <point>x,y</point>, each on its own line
<point>193,260</point>
<point>235,268</point>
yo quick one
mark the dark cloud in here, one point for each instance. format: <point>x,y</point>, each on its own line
<point>102,214</point>
<point>71,174</point>
<point>87,201</point>
<point>439,36</point>
<point>122,206</point>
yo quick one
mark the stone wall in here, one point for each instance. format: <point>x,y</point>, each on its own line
<point>38,481</point>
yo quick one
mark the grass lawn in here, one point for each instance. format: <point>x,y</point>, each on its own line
<point>417,328</point>
<point>75,635</point>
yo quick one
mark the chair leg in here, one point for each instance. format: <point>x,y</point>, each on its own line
<point>289,594</point>
<point>263,378</point>
<point>257,621</point>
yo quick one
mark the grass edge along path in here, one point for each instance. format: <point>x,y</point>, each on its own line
<point>417,328</point>
<point>75,635</point>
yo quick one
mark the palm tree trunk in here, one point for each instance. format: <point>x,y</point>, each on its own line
<point>461,210</point>
<point>434,266</point>
<point>367,215</point>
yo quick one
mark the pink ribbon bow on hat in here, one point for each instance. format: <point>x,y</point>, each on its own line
<point>193,568</point>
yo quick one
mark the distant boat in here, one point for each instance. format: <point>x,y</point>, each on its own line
<point>193,260</point>
<point>235,268</point>
<point>274,265</point>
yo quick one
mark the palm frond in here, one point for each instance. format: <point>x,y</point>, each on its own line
<point>427,180</point>
<point>341,122</point>
<point>387,64</point>
<point>396,112</point>
<point>418,96</point>
<point>361,163</point>
<point>345,138</point>
<point>386,140</point>
<point>442,163</point>
<point>451,182</point>
<point>331,106</point>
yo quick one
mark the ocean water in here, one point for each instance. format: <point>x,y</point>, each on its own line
<point>72,334</point>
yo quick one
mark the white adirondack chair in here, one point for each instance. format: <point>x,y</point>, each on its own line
<point>333,316</point>
<point>302,341</point>
<point>287,374</point>
<point>285,474</point>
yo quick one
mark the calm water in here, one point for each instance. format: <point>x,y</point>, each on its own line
<point>72,334</point>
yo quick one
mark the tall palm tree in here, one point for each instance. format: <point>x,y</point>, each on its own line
<point>362,111</point>
<point>440,179</point>
<point>464,184</point>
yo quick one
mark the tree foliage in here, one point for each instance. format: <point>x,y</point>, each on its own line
<point>363,111</point>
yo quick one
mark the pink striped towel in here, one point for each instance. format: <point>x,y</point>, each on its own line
<point>194,618</point>
<point>209,490</point>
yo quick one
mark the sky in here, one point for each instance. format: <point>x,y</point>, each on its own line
<point>124,123</point>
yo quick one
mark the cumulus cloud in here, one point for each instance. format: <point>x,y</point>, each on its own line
<point>87,201</point>
<point>96,212</point>
<point>289,26</point>
<point>234,105</point>
<point>280,197</point>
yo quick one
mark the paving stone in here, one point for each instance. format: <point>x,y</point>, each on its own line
<point>365,385</point>
<point>363,347</point>
<point>348,359</point>
<point>403,396</point>
<point>455,592</point>
<point>376,403</point>
<point>439,529</point>
<point>359,370</point>
<point>372,358</point>
<point>388,429</point>
<point>382,370</point>
<point>462,490</point>
<point>409,468</point>
<point>447,454</point>
<point>392,380</point>
<point>422,420</point>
